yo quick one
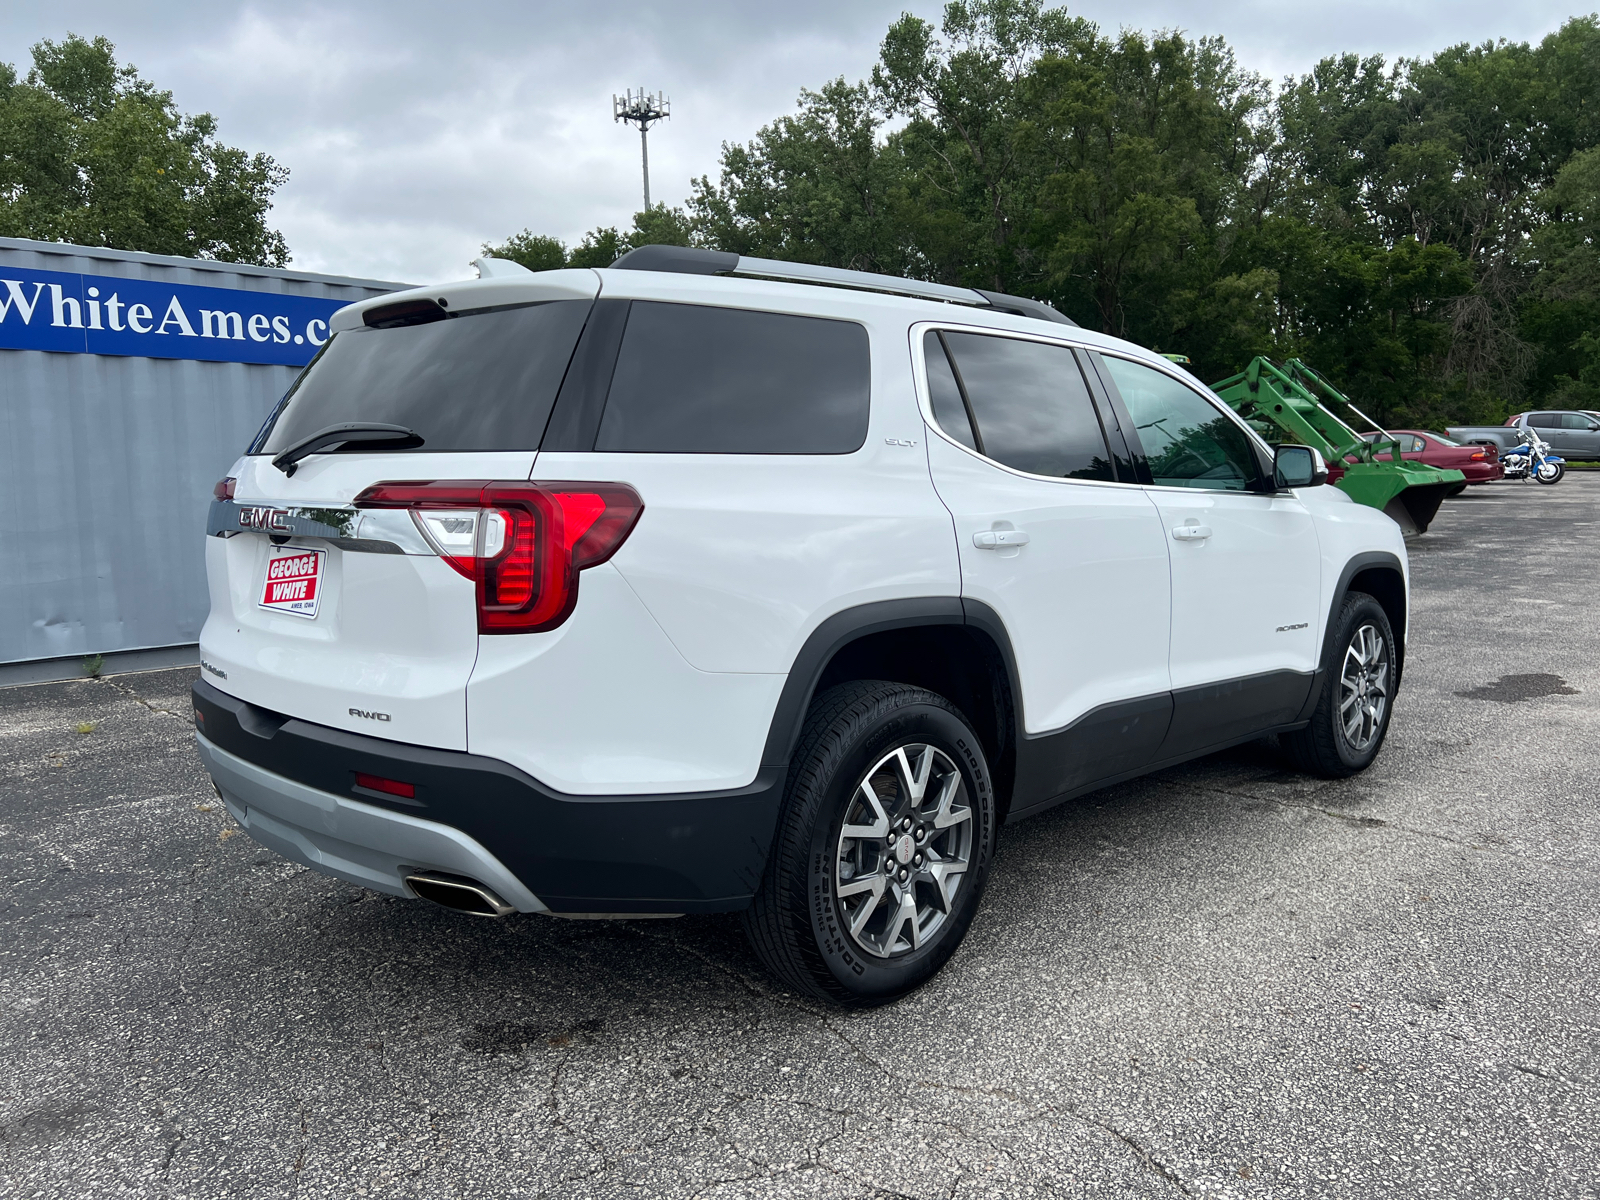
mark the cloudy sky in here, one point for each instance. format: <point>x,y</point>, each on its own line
<point>416,131</point>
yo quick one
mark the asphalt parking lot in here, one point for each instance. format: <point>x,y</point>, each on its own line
<point>1224,980</point>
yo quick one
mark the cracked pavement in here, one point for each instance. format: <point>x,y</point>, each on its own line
<point>1225,980</point>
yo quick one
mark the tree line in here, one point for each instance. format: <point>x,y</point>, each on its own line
<point>1423,231</point>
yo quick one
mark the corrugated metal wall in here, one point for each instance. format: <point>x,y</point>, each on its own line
<point>107,464</point>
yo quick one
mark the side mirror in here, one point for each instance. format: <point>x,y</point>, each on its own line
<point>1297,467</point>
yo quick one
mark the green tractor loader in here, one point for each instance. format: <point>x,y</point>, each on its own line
<point>1283,404</point>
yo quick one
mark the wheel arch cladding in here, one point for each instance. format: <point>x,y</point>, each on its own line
<point>1380,576</point>
<point>930,642</point>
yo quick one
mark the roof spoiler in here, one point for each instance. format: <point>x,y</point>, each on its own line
<point>688,260</point>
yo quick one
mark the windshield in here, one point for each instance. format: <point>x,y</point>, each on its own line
<point>1442,440</point>
<point>475,381</point>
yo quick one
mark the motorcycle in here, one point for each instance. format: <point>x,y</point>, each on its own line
<point>1533,459</point>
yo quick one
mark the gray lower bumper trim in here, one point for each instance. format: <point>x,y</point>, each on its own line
<point>356,842</point>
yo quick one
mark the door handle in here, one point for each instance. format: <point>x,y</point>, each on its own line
<point>1191,533</point>
<point>994,539</point>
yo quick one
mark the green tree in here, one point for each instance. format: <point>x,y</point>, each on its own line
<point>972,183</point>
<point>660,226</point>
<point>1562,313</point>
<point>531,250</point>
<point>600,247</point>
<point>1421,230</point>
<point>93,154</point>
<point>814,187</point>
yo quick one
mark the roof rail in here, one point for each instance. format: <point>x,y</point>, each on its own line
<point>687,260</point>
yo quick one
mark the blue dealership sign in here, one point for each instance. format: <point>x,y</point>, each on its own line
<point>143,318</point>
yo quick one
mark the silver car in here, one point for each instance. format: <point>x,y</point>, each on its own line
<point>1572,433</point>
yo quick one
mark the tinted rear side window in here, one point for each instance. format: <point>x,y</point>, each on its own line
<point>693,379</point>
<point>476,381</point>
<point>1032,406</point>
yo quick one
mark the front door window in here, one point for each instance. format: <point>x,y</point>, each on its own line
<point>1187,441</point>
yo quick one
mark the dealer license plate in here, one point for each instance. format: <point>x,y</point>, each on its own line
<point>294,581</point>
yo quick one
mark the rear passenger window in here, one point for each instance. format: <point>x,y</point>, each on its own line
<point>1545,420</point>
<point>693,379</point>
<point>1031,406</point>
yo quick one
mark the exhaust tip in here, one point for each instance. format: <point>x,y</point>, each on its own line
<point>458,893</point>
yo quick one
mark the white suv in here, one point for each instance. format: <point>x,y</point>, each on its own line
<point>704,584</point>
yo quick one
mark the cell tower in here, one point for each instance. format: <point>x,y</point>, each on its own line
<point>644,110</point>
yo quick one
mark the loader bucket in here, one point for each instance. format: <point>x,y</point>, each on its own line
<point>1414,509</point>
<point>1292,402</point>
<point>1409,493</point>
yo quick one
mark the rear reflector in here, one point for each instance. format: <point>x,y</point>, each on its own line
<point>522,543</point>
<point>393,787</point>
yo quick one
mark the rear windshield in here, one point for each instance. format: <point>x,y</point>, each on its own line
<point>474,381</point>
<point>693,379</point>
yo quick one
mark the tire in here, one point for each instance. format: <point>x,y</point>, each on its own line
<point>1555,476</point>
<point>861,945</point>
<point>1327,746</point>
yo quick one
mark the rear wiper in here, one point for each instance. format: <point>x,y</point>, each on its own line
<point>350,431</point>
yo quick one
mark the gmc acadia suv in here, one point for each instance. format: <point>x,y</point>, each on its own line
<point>705,584</point>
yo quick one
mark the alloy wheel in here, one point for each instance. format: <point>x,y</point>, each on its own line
<point>1364,686</point>
<point>904,849</point>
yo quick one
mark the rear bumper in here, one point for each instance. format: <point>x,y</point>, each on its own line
<point>675,853</point>
<point>350,840</point>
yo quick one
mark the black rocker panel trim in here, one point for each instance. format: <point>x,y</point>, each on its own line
<point>1115,741</point>
<point>1218,714</point>
<point>679,852</point>
<point>1160,764</point>
<point>1106,741</point>
<point>1129,738</point>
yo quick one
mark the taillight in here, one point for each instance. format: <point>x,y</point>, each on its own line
<point>223,489</point>
<point>1479,456</point>
<point>523,544</point>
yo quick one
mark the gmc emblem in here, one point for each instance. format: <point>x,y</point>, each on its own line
<point>275,519</point>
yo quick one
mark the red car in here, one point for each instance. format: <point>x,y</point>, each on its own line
<point>1478,464</point>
